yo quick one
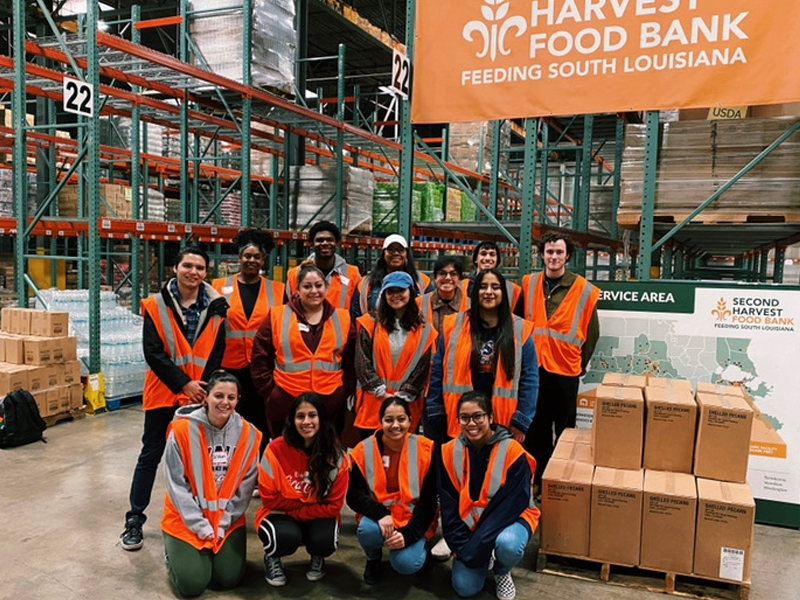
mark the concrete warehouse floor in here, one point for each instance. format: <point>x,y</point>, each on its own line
<point>64,502</point>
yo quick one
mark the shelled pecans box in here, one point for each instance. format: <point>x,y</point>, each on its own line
<point>625,380</point>
<point>670,383</point>
<point>618,428</point>
<point>566,504</point>
<point>669,515</point>
<point>616,516</point>
<point>12,377</point>
<point>578,435</point>
<point>722,447</point>
<point>724,533</point>
<point>49,323</point>
<point>670,424</point>
<point>703,387</point>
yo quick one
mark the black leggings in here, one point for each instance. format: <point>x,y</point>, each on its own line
<point>281,535</point>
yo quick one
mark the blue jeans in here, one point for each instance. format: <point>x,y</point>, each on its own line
<point>154,440</point>
<point>508,551</point>
<point>405,561</point>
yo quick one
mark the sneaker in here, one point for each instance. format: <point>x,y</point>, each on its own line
<point>273,571</point>
<point>373,572</point>
<point>440,551</point>
<point>505,587</point>
<point>317,569</point>
<point>132,537</point>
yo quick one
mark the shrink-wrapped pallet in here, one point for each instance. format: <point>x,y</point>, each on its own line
<point>313,198</point>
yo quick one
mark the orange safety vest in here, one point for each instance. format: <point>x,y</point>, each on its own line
<point>415,460</point>
<point>513,292</point>
<point>189,359</point>
<point>455,459</point>
<point>272,477</point>
<point>240,331</point>
<point>560,338</point>
<point>364,288</point>
<point>297,369</point>
<point>419,340</point>
<point>457,376</point>
<point>191,439</point>
<point>340,289</point>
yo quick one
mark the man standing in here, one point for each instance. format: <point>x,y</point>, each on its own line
<point>184,341</point>
<point>563,308</point>
<point>486,255</point>
<point>446,298</point>
<point>343,279</point>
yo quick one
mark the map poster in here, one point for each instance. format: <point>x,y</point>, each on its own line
<point>744,335</point>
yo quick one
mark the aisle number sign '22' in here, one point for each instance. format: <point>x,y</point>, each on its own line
<point>401,73</point>
<point>78,97</point>
<point>492,59</point>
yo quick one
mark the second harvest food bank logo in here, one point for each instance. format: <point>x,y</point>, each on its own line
<point>752,312</point>
<point>493,32</point>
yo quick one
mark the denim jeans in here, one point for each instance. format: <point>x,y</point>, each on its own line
<point>508,551</point>
<point>154,440</point>
<point>405,561</point>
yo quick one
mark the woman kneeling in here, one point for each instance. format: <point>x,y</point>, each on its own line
<point>485,497</point>
<point>393,492</point>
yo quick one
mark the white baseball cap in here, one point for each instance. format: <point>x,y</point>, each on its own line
<point>395,238</point>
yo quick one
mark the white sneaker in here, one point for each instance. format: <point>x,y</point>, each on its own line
<point>441,551</point>
<point>505,587</point>
<point>317,569</point>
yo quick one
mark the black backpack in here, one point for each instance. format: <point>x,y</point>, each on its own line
<point>21,422</point>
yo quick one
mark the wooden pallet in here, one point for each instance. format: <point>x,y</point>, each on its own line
<point>706,217</point>
<point>677,584</point>
<point>74,414</point>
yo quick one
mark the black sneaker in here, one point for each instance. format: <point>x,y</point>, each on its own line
<point>373,572</point>
<point>132,537</point>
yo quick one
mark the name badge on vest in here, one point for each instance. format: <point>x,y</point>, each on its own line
<point>344,280</point>
<point>227,290</point>
<point>303,328</point>
<point>385,461</point>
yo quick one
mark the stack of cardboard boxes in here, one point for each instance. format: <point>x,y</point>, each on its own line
<point>659,482</point>
<point>37,355</point>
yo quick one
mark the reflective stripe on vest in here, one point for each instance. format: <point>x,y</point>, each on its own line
<point>571,337</point>
<point>513,391</point>
<point>449,386</point>
<point>290,366</point>
<point>418,352</point>
<point>495,475</point>
<point>530,293</point>
<point>169,339</point>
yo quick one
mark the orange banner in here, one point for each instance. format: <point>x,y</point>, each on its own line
<point>494,59</point>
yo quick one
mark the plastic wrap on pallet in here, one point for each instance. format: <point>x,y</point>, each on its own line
<point>427,204</point>
<point>471,145</point>
<point>121,352</point>
<point>696,158</point>
<point>218,37</point>
<point>313,191</point>
<point>7,194</point>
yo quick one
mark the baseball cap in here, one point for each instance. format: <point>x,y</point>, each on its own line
<point>395,238</point>
<point>397,279</point>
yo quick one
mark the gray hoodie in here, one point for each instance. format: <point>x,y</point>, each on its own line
<point>223,440</point>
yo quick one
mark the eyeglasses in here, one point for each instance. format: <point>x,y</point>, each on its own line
<point>395,250</point>
<point>477,418</point>
<point>447,274</point>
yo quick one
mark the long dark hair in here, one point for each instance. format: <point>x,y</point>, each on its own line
<point>504,352</point>
<point>380,270</point>
<point>325,450</point>
<point>411,318</point>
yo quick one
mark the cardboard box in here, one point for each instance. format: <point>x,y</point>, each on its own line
<point>13,349</point>
<point>670,424</point>
<point>12,377</point>
<point>41,401</point>
<point>25,316</point>
<point>53,375</point>
<point>618,429</point>
<point>6,317</point>
<point>49,324</point>
<point>75,395</point>
<point>723,437</point>
<point>616,523</point>
<point>58,347</point>
<point>669,516</point>
<point>671,384</point>
<point>566,502</point>
<point>38,351</point>
<point>71,372</point>
<point>578,435</point>
<point>572,451</point>
<point>70,348</point>
<point>584,408</point>
<point>625,380</point>
<point>64,398</point>
<point>53,401</point>
<point>724,534</point>
<point>37,378</point>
